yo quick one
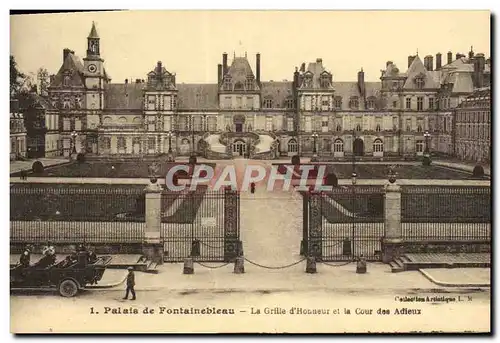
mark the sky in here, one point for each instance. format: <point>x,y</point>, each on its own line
<point>191,43</point>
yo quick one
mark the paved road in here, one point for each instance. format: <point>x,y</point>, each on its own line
<point>50,313</point>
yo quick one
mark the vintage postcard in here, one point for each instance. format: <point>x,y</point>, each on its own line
<point>250,172</point>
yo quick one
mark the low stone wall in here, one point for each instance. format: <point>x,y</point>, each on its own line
<point>446,246</point>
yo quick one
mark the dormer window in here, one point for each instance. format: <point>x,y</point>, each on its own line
<point>325,81</point>
<point>338,102</point>
<point>268,103</point>
<point>289,103</point>
<point>227,84</point>
<point>66,80</point>
<point>78,101</point>
<point>371,103</point>
<point>249,84</point>
<point>419,82</point>
<point>308,81</point>
<point>239,86</point>
<point>354,102</point>
<point>66,102</point>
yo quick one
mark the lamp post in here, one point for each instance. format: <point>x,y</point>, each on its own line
<point>192,135</point>
<point>170,154</point>
<point>314,137</point>
<point>427,135</point>
<point>354,176</point>
<point>74,134</point>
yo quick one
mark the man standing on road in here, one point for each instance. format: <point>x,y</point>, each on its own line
<point>130,283</point>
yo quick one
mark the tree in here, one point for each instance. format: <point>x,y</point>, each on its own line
<point>17,78</point>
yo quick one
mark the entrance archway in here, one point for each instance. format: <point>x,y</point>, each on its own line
<point>239,147</point>
<point>358,147</point>
<point>239,122</point>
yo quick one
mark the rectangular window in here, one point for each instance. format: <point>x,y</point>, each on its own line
<point>121,143</point>
<point>151,143</point>
<point>227,102</point>
<point>167,123</point>
<point>151,127</point>
<point>431,103</point>
<point>338,103</point>
<point>66,124</point>
<point>308,101</point>
<point>408,124</point>
<point>289,104</point>
<point>324,124</point>
<point>151,102</point>
<point>420,103</point>
<point>269,124</point>
<point>308,126</point>
<point>420,146</point>
<point>408,103</point>
<point>249,102</point>
<point>167,105</point>
<point>78,124</point>
<point>394,104</point>
<point>239,103</point>
<point>289,124</point>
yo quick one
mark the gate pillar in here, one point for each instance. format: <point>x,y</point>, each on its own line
<point>153,247</point>
<point>315,241</point>
<point>392,241</point>
<point>231,224</point>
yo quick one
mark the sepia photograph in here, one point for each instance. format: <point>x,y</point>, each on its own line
<point>264,171</point>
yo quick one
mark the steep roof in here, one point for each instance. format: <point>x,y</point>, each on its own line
<point>277,91</point>
<point>315,69</point>
<point>197,96</point>
<point>93,32</point>
<point>240,69</point>
<point>74,67</point>
<point>123,96</point>
<point>417,69</point>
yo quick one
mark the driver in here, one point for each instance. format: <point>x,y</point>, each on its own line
<point>25,258</point>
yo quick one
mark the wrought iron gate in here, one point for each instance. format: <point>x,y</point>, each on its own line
<point>203,224</point>
<point>344,223</point>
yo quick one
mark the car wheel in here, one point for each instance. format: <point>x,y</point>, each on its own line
<point>68,288</point>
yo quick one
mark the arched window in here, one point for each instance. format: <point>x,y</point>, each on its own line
<point>378,145</point>
<point>338,128</point>
<point>419,128</point>
<point>66,80</point>
<point>137,120</point>
<point>106,143</point>
<point>292,145</point>
<point>338,145</point>
<point>358,127</point>
<point>185,141</point>
<point>106,120</point>
<point>377,128</point>
<point>122,120</point>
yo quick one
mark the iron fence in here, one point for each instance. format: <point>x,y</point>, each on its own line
<point>77,213</point>
<point>446,212</point>
<point>195,224</point>
<point>346,222</point>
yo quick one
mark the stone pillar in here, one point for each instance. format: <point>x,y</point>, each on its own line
<point>393,239</point>
<point>152,246</point>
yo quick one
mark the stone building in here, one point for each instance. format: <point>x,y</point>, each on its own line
<point>242,115</point>
<point>472,131</point>
<point>17,132</point>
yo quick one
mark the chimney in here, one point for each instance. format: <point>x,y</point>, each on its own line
<point>319,61</point>
<point>224,63</point>
<point>438,61</point>
<point>459,55</point>
<point>410,60</point>
<point>479,63</point>
<point>66,52</point>
<point>429,62</point>
<point>450,57</point>
<point>296,78</point>
<point>471,53</point>
<point>219,73</point>
<point>303,67</point>
<point>388,63</point>
<point>158,67</point>
<point>257,68</point>
<point>361,82</point>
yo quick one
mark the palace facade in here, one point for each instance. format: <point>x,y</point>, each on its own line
<point>243,115</point>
